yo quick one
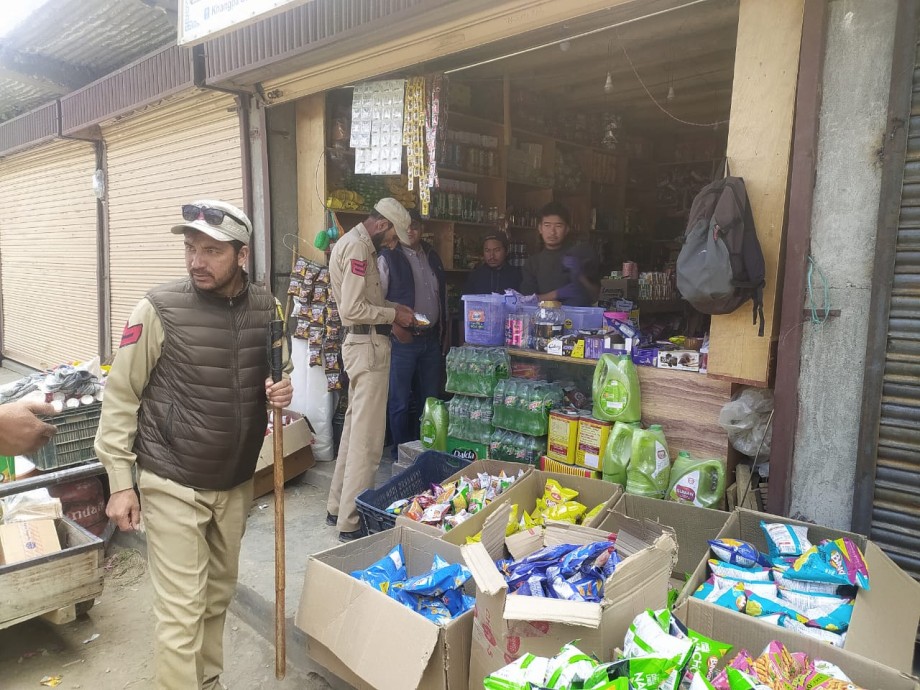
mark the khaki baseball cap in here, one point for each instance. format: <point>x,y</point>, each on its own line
<point>235,225</point>
<point>397,214</point>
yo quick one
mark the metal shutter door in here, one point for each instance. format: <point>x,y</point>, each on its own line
<point>48,255</point>
<point>896,499</point>
<point>157,161</point>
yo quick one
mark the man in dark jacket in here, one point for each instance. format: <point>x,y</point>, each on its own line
<point>412,274</point>
<point>185,402</point>
<point>564,271</point>
<point>494,274</point>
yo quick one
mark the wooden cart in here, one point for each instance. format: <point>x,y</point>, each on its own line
<point>58,586</point>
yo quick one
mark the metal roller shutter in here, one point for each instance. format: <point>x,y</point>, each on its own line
<point>48,268</point>
<point>157,161</point>
<point>896,499</point>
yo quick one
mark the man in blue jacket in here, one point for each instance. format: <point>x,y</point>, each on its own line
<point>413,275</point>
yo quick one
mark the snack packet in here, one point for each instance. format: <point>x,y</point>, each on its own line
<point>785,540</point>
<point>764,589</point>
<point>736,572</point>
<point>591,514</point>
<point>554,493</point>
<point>646,637</point>
<point>568,511</point>
<point>380,575</point>
<point>838,562</point>
<point>705,657</point>
<point>737,552</point>
<point>832,638</point>
<point>527,671</point>
<point>738,680</point>
<point>570,665</point>
<point>808,587</point>
<point>743,661</point>
<point>654,673</point>
<point>443,576</point>
<point>583,558</point>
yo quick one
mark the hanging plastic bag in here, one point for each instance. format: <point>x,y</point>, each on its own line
<point>312,399</point>
<point>745,421</point>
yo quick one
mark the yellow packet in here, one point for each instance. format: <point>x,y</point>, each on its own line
<point>555,493</point>
<point>592,513</point>
<point>569,511</point>
<point>513,523</point>
<point>475,539</point>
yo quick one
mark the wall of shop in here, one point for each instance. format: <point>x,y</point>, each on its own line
<point>843,232</point>
<point>282,172</point>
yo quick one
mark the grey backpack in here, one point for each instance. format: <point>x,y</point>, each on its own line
<point>721,265</point>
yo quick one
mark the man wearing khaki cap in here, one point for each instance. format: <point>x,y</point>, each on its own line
<point>368,319</point>
<point>185,403</point>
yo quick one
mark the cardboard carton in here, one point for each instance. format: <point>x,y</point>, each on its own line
<point>21,541</point>
<point>693,527</point>
<point>490,467</point>
<point>370,640</point>
<point>524,493</point>
<point>884,622</point>
<point>506,625</point>
<point>745,632</point>
<point>296,435</point>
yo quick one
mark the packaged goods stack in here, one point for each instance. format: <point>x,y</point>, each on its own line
<point>315,318</point>
<point>521,414</point>
<point>472,374</point>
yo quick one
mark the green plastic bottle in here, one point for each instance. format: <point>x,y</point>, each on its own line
<point>618,451</point>
<point>616,393</point>
<point>700,482</point>
<point>434,425</point>
<point>649,471</point>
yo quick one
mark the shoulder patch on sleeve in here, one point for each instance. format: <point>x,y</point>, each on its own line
<point>359,268</point>
<point>131,334</point>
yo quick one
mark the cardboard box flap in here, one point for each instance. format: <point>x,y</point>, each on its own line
<point>334,611</point>
<point>581,613</point>
<point>885,618</point>
<point>493,531</point>
<point>566,533</point>
<point>653,562</point>
<point>487,577</point>
<point>522,544</point>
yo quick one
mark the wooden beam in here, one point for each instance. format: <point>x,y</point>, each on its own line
<point>759,145</point>
<point>310,116</point>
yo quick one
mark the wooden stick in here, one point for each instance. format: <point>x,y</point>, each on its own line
<point>280,652</point>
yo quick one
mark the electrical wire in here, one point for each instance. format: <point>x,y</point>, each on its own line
<point>825,306</point>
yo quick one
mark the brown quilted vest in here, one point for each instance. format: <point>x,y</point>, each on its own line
<point>203,413</point>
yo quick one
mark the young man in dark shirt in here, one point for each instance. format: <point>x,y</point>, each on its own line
<point>494,274</point>
<point>564,271</point>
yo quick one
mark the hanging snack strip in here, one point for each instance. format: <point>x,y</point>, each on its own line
<point>414,134</point>
<point>432,132</point>
<point>317,319</point>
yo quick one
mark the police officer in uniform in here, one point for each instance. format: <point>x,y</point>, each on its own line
<point>369,320</point>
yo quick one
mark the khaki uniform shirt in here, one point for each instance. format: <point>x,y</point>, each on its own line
<point>139,351</point>
<point>356,280</point>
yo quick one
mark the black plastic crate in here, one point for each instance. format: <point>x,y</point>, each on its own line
<point>73,441</point>
<point>431,467</point>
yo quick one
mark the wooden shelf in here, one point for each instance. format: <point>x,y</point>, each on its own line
<point>673,164</point>
<point>523,227</point>
<point>532,185</point>
<point>454,115</point>
<point>535,354</point>
<point>660,306</point>
<point>453,172</point>
<point>465,223</point>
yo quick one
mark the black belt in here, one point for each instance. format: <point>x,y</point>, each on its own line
<point>365,329</point>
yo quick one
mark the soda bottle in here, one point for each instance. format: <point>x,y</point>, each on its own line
<point>511,396</point>
<point>476,417</point>
<point>487,415</point>
<point>536,424</point>
<point>525,398</point>
<point>495,444</point>
<point>450,366</point>
<point>452,417</point>
<point>498,403</point>
<point>520,448</point>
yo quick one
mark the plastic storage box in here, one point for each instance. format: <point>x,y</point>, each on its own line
<point>582,319</point>
<point>432,467</point>
<point>484,319</point>
<point>73,441</point>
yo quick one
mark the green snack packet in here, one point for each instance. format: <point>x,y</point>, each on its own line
<point>706,656</point>
<point>610,676</point>
<point>738,680</point>
<point>654,673</point>
<point>568,666</point>
<point>526,672</point>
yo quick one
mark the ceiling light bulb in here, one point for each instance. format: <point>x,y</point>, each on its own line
<point>670,93</point>
<point>564,46</point>
<point>608,85</point>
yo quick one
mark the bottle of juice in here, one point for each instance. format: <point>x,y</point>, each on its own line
<point>649,470</point>
<point>616,392</point>
<point>618,451</point>
<point>434,425</point>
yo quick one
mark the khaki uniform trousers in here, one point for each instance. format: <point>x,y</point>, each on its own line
<point>367,362</point>
<point>193,550</point>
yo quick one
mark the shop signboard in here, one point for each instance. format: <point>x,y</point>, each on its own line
<point>200,20</point>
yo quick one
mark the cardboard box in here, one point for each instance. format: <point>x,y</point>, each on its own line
<point>370,640</point>
<point>885,618</point>
<point>645,356</point>
<point>296,435</point>
<point>21,541</point>
<point>693,527</point>
<point>524,493</point>
<point>506,626</point>
<point>681,360</point>
<point>620,288</point>
<point>745,632</point>
<point>492,467</point>
<point>70,575</point>
<point>550,465</point>
<point>295,464</point>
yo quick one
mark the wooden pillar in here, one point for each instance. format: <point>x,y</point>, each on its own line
<point>311,173</point>
<point>759,147</point>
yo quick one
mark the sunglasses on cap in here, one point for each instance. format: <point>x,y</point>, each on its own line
<point>211,216</point>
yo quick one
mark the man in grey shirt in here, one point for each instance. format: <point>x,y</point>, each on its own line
<point>412,274</point>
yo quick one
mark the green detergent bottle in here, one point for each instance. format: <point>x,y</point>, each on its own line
<point>434,425</point>
<point>616,389</point>
<point>618,451</point>
<point>649,471</point>
<point>700,482</point>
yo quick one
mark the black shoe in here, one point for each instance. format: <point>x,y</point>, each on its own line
<point>346,537</point>
<point>331,519</point>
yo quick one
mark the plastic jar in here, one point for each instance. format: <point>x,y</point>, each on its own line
<point>547,324</point>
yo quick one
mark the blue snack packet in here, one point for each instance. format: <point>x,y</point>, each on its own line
<point>610,565</point>
<point>837,562</point>
<point>583,558</point>
<point>588,586</point>
<point>457,602</point>
<point>440,579</point>
<point>737,552</point>
<point>533,587</point>
<point>391,568</point>
<point>563,590</point>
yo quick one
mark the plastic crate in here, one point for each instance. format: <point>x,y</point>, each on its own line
<point>431,467</point>
<point>484,319</point>
<point>73,442</point>
<point>582,319</point>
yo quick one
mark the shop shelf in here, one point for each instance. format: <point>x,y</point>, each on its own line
<point>431,467</point>
<point>454,172</point>
<point>536,354</point>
